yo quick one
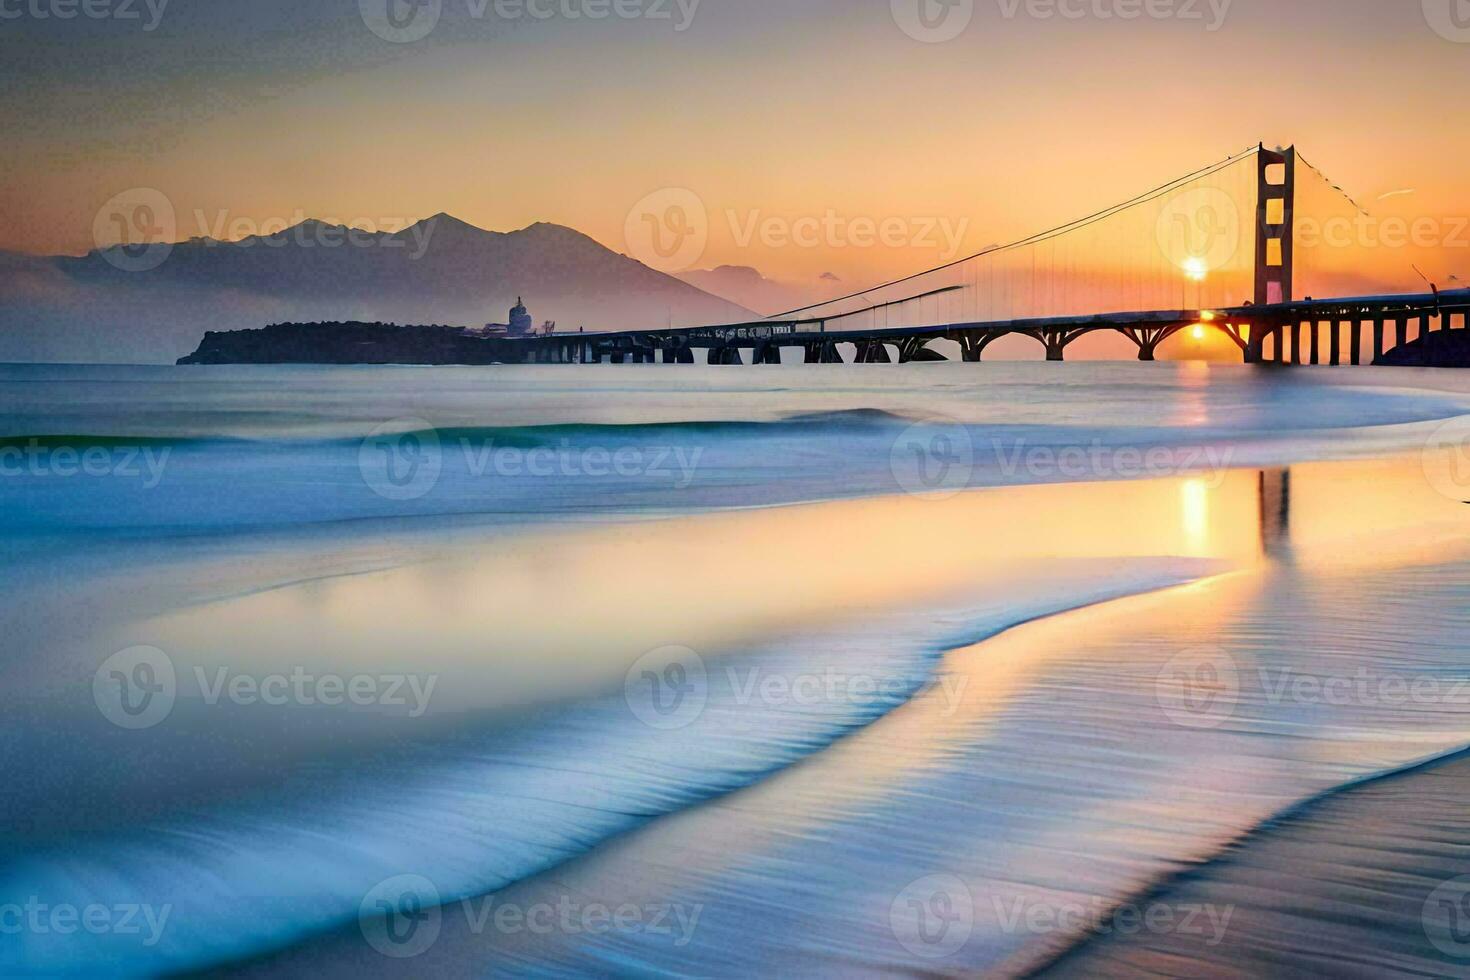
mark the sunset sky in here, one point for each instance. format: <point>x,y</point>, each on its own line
<point>244,114</point>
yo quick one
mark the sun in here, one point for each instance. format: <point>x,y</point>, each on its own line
<point>1199,332</point>
<point>1196,269</point>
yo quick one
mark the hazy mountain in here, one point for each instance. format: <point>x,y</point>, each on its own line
<point>747,287</point>
<point>441,270</point>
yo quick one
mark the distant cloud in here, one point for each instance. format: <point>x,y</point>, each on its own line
<point>828,277</point>
<point>1400,193</point>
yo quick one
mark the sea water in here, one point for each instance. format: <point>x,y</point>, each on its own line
<point>923,630</point>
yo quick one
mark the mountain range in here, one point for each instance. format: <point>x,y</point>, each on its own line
<point>153,305</point>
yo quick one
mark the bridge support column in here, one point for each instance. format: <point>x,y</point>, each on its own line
<point>725,355</point>
<point>1334,344</point>
<point>766,354</point>
<point>1401,332</point>
<point>824,352</point>
<point>972,345</point>
<point>1316,339</point>
<point>873,352</point>
<point>1255,346</point>
<point>1296,342</point>
<point>1148,340</point>
<point>1423,326</point>
<point>1377,339</point>
<point>1357,342</point>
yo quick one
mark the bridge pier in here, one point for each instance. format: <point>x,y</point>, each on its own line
<point>1377,339</point>
<point>1147,339</point>
<point>825,352</point>
<point>872,352</point>
<point>725,355</point>
<point>678,355</point>
<point>972,345</point>
<point>765,354</point>
<point>1357,341</point>
<point>1316,338</point>
<point>1401,331</point>
<point>1334,344</point>
<point>1055,340</point>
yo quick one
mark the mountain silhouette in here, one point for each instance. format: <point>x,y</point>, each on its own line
<point>110,305</point>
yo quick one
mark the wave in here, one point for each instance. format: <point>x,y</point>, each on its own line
<point>1302,820</point>
<point>490,802</point>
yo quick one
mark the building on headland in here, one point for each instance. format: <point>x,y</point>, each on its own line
<point>520,324</point>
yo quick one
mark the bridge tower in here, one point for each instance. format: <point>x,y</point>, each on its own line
<point>1275,240</point>
<point>1275,225</point>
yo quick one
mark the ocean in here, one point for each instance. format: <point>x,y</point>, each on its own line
<point>1012,669</point>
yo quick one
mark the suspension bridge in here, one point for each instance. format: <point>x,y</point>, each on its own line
<point>1239,248</point>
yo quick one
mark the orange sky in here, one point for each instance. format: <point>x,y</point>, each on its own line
<point>823,111</point>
